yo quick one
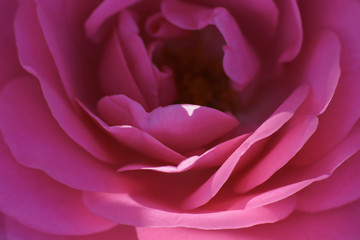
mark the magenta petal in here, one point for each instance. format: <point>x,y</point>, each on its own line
<point>340,223</point>
<point>137,139</point>
<point>104,11</point>
<point>210,188</point>
<point>36,59</point>
<point>67,45</point>
<point>321,69</point>
<point>115,76</point>
<point>211,158</point>
<point>138,59</point>
<point>17,231</point>
<point>185,127</point>
<point>290,181</point>
<point>297,132</point>
<point>180,127</point>
<point>9,62</point>
<point>240,62</point>
<point>37,141</point>
<point>121,208</point>
<point>38,201</point>
<point>339,189</point>
<point>290,30</point>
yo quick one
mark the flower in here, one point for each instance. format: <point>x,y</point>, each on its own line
<point>179,119</point>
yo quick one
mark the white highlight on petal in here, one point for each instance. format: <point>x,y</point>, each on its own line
<point>190,108</point>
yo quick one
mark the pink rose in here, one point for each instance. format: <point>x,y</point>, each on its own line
<point>174,119</point>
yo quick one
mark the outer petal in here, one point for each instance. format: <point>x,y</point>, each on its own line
<point>38,201</point>
<point>123,209</point>
<point>37,141</point>
<point>16,231</point>
<point>340,223</point>
<point>210,188</point>
<point>339,189</point>
<point>9,63</point>
<point>36,59</point>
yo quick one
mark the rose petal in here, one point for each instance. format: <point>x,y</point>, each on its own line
<point>38,201</point>
<point>115,76</point>
<point>104,11</point>
<point>297,131</point>
<point>289,181</point>
<point>180,127</point>
<point>9,63</point>
<point>340,223</point>
<point>121,208</point>
<point>339,189</point>
<point>138,140</point>
<point>211,158</point>
<point>240,62</point>
<point>289,37</point>
<point>36,59</point>
<point>209,189</point>
<point>67,45</point>
<point>343,19</point>
<point>37,141</point>
<point>321,69</point>
<point>137,59</point>
<point>16,231</point>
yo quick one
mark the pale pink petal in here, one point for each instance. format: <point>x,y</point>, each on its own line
<point>186,127</point>
<point>104,11</point>
<point>123,209</point>
<point>290,34</point>
<point>339,189</point>
<point>138,59</point>
<point>37,141</point>
<point>17,231</point>
<point>36,59</point>
<point>36,200</point>
<point>180,127</point>
<point>211,158</point>
<point>294,135</point>
<point>240,62</point>
<point>137,140</point>
<point>210,188</point>
<point>340,223</point>
<point>289,181</point>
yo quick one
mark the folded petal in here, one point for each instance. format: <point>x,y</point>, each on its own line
<point>339,189</point>
<point>121,208</point>
<point>37,141</point>
<point>36,200</point>
<point>240,62</point>
<point>17,231</point>
<point>283,114</point>
<point>180,127</point>
<point>102,13</point>
<point>290,34</point>
<point>340,223</point>
<point>35,58</point>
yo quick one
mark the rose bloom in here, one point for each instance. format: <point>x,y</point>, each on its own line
<point>179,119</point>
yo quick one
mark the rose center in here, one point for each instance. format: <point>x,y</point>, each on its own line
<point>197,65</point>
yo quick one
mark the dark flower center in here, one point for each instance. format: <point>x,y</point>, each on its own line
<point>197,65</point>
